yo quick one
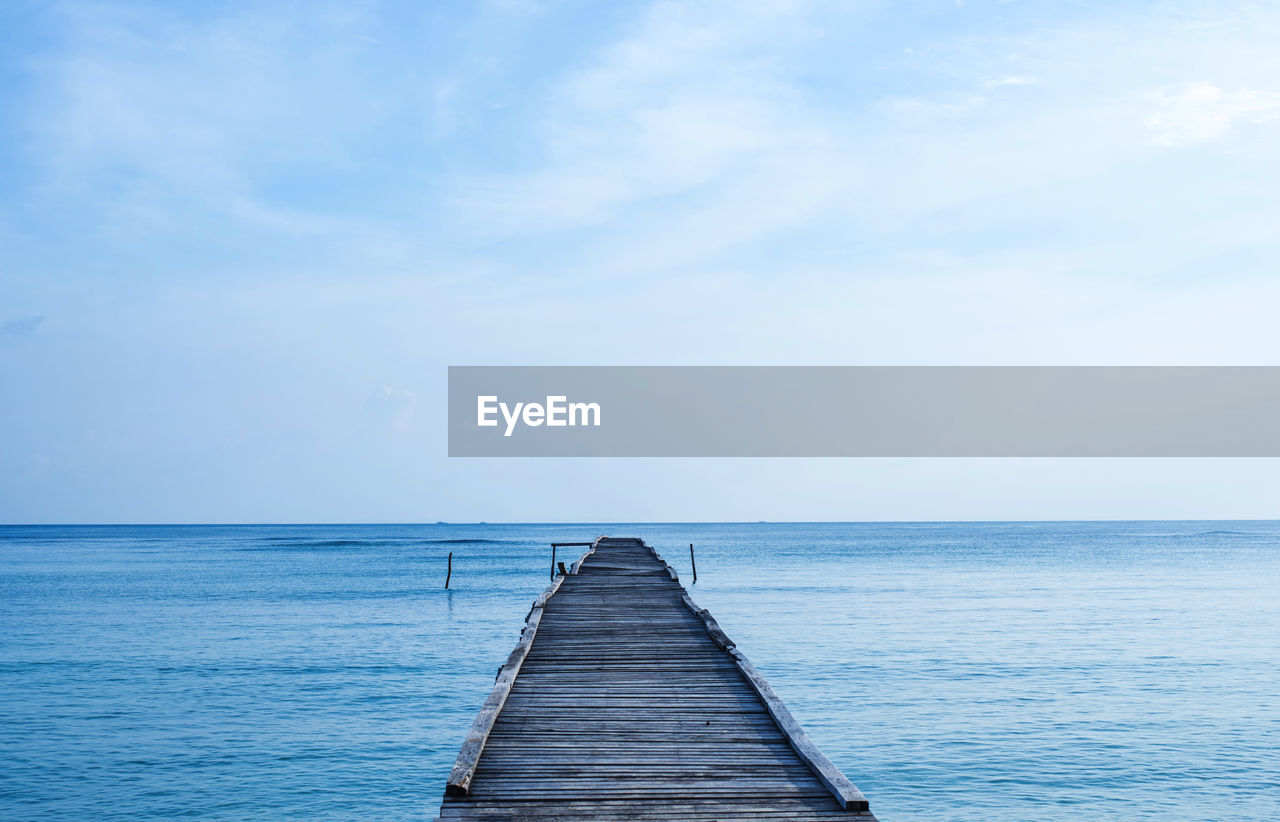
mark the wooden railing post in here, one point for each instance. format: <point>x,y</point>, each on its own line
<point>556,545</point>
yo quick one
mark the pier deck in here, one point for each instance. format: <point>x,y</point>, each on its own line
<point>623,700</point>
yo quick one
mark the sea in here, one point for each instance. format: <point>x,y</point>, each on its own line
<point>992,671</point>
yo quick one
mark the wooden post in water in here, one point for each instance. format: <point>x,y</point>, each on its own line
<point>694,564</point>
<point>553,560</point>
<point>448,573</point>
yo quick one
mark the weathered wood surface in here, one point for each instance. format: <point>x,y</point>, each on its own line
<point>626,701</point>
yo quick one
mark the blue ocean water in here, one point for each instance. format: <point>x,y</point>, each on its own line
<point>962,671</point>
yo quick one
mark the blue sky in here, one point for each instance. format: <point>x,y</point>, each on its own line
<point>240,243</point>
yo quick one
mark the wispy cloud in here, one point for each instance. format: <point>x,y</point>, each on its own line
<point>693,100</point>
<point>1202,112</point>
<point>21,326</point>
<point>1011,80</point>
<point>236,125</point>
<point>699,134</point>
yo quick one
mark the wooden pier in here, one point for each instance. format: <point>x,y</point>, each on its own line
<point>623,700</point>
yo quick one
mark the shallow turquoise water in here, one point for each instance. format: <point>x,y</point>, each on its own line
<point>992,671</point>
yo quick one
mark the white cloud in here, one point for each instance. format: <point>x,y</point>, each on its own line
<point>1202,112</point>
<point>1012,80</point>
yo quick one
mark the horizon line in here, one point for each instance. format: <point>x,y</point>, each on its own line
<point>267,524</point>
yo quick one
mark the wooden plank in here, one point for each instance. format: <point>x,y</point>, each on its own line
<point>464,767</point>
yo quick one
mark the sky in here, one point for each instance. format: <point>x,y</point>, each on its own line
<point>240,243</point>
